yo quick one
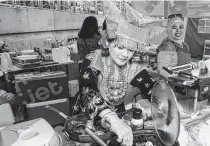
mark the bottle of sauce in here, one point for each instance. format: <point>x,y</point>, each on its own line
<point>137,120</point>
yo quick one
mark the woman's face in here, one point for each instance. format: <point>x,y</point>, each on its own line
<point>177,31</point>
<point>120,55</point>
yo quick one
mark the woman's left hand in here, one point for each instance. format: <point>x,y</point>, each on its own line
<point>10,97</point>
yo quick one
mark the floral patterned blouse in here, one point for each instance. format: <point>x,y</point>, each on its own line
<point>92,99</point>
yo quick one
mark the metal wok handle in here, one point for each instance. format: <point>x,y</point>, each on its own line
<point>95,137</point>
<point>168,70</point>
<point>87,130</point>
<point>57,111</point>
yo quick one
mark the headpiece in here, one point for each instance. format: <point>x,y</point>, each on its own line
<point>127,34</point>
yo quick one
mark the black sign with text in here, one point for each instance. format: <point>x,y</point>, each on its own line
<point>39,87</point>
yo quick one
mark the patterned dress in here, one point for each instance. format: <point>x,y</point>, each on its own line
<point>94,98</point>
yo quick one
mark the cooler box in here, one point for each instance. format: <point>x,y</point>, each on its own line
<point>42,86</point>
<point>38,110</point>
<point>31,133</point>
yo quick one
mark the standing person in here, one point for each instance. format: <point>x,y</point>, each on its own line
<point>88,37</point>
<point>173,51</point>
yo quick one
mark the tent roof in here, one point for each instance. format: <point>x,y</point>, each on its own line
<point>188,8</point>
<point>198,9</point>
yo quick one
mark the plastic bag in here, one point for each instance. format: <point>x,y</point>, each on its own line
<point>199,134</point>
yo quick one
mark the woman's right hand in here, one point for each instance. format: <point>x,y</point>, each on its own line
<point>120,128</point>
<point>123,132</point>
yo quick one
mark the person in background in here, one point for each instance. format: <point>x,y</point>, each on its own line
<point>5,97</point>
<point>88,37</point>
<point>173,51</point>
<point>3,47</point>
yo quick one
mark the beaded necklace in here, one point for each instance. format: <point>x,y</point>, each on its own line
<point>115,87</point>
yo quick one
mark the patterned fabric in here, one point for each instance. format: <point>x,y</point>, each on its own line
<point>92,99</point>
<point>183,55</point>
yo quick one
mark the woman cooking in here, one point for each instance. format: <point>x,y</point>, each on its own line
<point>108,77</point>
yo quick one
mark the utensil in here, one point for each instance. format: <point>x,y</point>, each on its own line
<point>95,137</point>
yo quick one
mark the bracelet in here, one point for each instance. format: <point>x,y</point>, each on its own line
<point>105,112</point>
<point>104,123</point>
<point>105,120</point>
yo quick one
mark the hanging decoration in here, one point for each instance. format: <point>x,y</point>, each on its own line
<point>139,19</point>
<point>130,35</point>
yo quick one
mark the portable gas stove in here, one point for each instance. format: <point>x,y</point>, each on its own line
<point>28,61</point>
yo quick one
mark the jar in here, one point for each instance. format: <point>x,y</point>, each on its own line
<point>202,67</point>
<point>137,120</point>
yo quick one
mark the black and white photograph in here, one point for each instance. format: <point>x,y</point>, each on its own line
<point>104,73</point>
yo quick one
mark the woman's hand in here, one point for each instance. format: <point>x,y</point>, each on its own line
<point>121,129</point>
<point>2,92</point>
<point>10,97</point>
<point>123,132</point>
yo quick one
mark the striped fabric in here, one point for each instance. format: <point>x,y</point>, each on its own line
<point>183,58</point>
<point>183,55</point>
